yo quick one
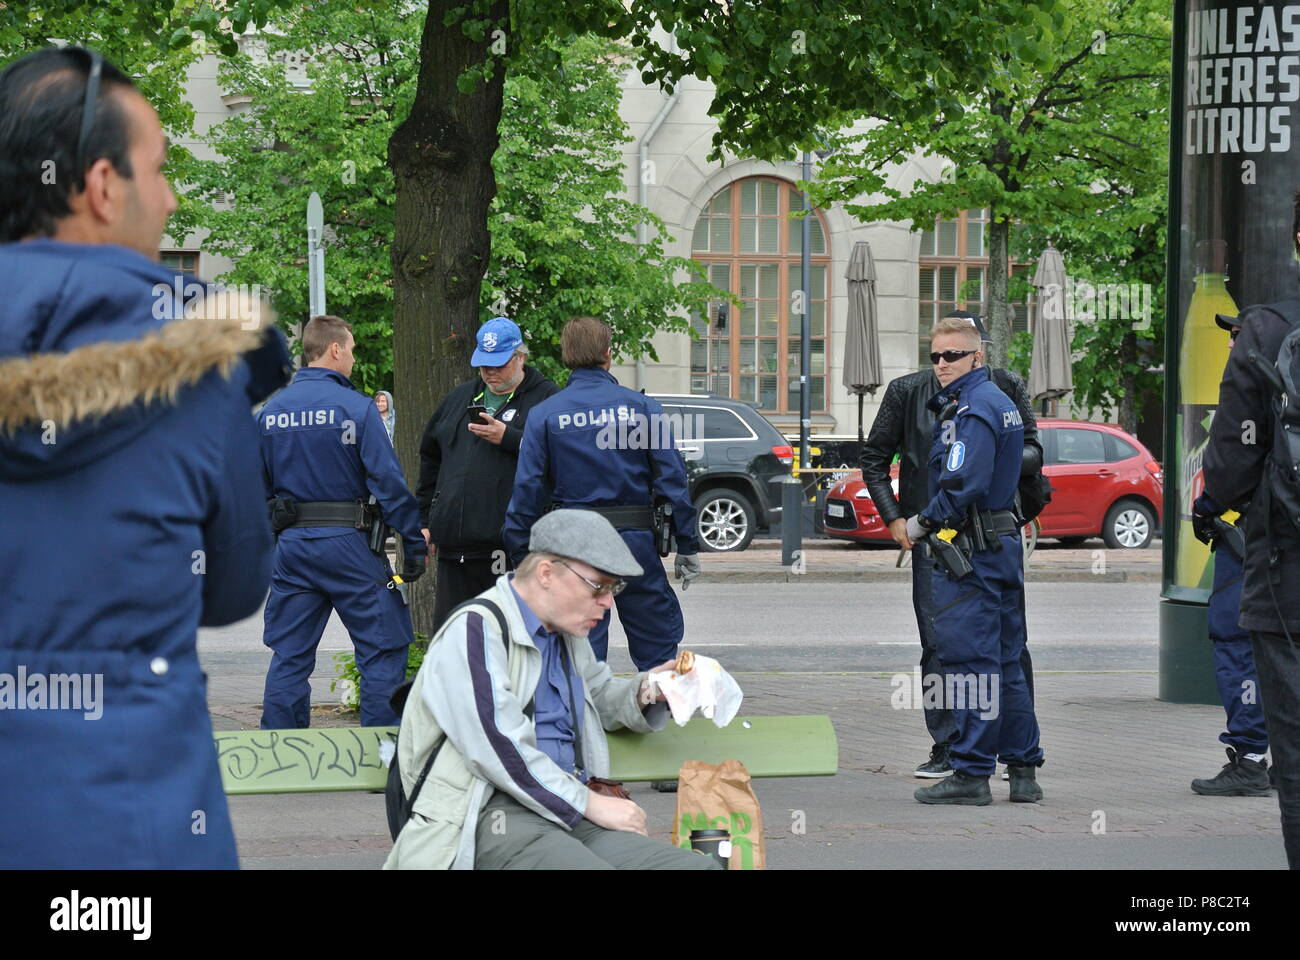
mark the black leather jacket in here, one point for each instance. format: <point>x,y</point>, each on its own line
<point>465,481</point>
<point>1236,472</point>
<point>905,426</point>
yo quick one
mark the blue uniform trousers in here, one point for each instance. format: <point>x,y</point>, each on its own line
<point>1234,660</point>
<point>979,629</point>
<point>647,608</point>
<point>311,577</point>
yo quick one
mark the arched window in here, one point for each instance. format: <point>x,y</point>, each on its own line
<point>749,245</point>
<point>954,269</point>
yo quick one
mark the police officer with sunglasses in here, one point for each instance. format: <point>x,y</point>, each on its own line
<point>979,613</point>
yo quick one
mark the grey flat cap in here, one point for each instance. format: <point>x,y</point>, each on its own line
<point>586,536</point>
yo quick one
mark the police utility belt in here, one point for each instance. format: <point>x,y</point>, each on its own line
<point>643,517</point>
<point>952,551</point>
<point>353,514</point>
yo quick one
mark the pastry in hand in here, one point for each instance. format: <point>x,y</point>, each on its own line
<point>685,662</point>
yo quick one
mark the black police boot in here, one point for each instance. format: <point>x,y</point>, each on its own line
<point>1024,785</point>
<point>960,788</point>
<point>938,766</point>
<point>1238,778</point>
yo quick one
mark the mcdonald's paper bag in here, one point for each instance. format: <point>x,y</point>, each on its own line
<point>719,797</point>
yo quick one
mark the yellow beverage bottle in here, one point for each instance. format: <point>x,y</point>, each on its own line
<point>1202,356</point>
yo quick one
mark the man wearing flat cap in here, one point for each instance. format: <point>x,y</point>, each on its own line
<point>514,720</point>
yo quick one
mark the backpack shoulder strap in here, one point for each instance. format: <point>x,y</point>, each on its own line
<point>433,754</point>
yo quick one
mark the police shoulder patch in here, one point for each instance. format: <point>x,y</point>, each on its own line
<point>956,455</point>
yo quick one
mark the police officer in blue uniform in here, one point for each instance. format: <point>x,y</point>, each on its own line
<point>1246,774</point>
<point>326,453</point>
<point>606,448</point>
<point>979,620</point>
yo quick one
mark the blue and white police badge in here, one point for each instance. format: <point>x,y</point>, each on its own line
<point>956,456</point>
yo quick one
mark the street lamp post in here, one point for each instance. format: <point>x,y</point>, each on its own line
<point>805,333</point>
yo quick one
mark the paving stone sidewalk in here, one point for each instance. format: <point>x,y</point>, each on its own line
<point>1116,790</point>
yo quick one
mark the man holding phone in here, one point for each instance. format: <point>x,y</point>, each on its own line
<point>468,456</point>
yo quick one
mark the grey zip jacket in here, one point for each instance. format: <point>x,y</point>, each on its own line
<point>469,696</point>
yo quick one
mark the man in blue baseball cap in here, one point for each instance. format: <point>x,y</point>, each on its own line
<point>468,456</point>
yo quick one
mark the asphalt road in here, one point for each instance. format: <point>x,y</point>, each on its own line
<point>802,627</point>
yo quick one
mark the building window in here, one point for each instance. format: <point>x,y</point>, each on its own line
<point>749,246</point>
<point>954,268</point>
<point>185,265</point>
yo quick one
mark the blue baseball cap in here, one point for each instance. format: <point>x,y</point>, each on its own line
<point>497,340</point>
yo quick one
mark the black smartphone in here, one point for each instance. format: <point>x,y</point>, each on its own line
<point>474,410</point>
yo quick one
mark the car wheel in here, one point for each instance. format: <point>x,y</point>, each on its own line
<point>725,521</point>
<point>1029,538</point>
<point>1129,526</point>
<point>1071,542</point>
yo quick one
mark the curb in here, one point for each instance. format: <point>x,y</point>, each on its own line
<point>784,575</point>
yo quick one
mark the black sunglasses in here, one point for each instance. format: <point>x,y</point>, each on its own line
<point>952,356</point>
<point>88,110</point>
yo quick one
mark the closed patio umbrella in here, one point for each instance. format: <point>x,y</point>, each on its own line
<point>1050,372</point>
<point>862,367</point>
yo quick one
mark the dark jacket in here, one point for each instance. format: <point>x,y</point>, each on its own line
<point>465,481</point>
<point>905,426</point>
<point>1234,471</point>
<point>132,512</point>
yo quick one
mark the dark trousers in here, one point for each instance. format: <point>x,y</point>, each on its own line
<point>1234,662</point>
<point>979,628</point>
<point>310,578</point>
<point>1277,662</point>
<point>939,719</point>
<point>460,580</point>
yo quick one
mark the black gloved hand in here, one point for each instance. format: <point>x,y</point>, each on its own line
<point>1204,512</point>
<point>413,566</point>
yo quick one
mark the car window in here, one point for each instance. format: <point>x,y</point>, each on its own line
<point>1080,446</point>
<point>719,423</point>
<point>1117,449</point>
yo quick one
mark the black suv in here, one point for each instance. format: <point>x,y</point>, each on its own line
<point>732,456</point>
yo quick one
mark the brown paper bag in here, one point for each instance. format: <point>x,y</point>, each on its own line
<point>719,797</point>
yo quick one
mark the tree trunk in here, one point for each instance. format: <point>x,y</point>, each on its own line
<point>1128,363</point>
<point>998,320</point>
<point>441,157</point>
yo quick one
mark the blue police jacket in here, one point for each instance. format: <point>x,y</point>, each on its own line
<point>976,459</point>
<point>323,440</point>
<point>132,511</point>
<point>597,444</point>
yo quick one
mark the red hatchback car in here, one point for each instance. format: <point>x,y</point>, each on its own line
<point>1104,483</point>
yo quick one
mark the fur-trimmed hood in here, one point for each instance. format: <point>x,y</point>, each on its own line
<point>95,347</point>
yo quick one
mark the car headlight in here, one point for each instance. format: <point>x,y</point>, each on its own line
<point>862,494</point>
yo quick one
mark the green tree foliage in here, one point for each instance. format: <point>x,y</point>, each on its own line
<point>1053,115</point>
<point>1059,141</point>
<point>563,239</point>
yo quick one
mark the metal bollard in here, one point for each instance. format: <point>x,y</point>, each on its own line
<point>791,520</point>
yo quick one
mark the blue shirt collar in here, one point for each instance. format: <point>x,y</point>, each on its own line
<point>592,373</point>
<point>964,382</point>
<point>532,623</point>
<point>322,373</point>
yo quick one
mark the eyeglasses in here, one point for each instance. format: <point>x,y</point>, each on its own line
<point>598,589</point>
<point>88,110</point>
<point>1232,334</point>
<point>952,356</point>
